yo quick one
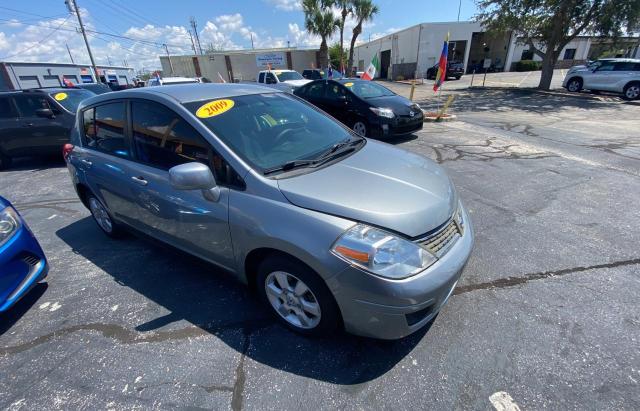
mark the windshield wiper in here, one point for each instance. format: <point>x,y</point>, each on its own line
<point>339,148</point>
<point>289,165</point>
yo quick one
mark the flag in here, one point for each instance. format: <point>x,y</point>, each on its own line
<point>374,66</point>
<point>68,83</point>
<point>222,80</point>
<point>442,65</point>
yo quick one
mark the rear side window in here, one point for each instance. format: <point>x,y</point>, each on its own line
<point>6,108</point>
<point>163,139</point>
<point>315,90</point>
<point>334,91</point>
<point>104,129</point>
<point>27,105</point>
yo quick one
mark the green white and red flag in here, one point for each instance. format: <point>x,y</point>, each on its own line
<point>373,68</point>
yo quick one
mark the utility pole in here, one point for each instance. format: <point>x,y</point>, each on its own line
<point>251,34</point>
<point>109,60</point>
<point>193,45</point>
<point>73,6</point>
<point>169,56</point>
<point>70,56</point>
<point>194,26</point>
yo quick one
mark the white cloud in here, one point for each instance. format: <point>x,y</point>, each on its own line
<point>286,5</point>
<point>301,38</point>
<point>4,43</point>
<point>13,23</point>
<point>230,22</point>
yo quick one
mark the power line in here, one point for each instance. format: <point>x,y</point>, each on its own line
<point>37,43</point>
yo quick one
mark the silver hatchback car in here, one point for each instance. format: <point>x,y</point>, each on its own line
<point>332,229</point>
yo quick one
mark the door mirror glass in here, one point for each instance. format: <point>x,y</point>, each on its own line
<point>191,176</point>
<point>45,112</point>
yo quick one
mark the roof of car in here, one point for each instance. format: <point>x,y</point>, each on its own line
<point>620,59</point>
<point>41,90</point>
<point>184,93</point>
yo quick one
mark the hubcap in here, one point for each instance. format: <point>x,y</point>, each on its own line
<point>292,299</point>
<point>633,92</point>
<point>573,86</point>
<point>100,214</point>
<point>360,128</point>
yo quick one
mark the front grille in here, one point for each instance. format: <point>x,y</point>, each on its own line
<point>30,259</point>
<point>440,242</point>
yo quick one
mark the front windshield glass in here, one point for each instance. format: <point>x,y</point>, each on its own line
<point>271,129</point>
<point>70,99</point>
<point>368,89</point>
<point>288,75</point>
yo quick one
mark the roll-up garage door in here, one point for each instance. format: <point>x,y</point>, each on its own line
<point>29,82</point>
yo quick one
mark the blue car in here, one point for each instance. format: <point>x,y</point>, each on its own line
<point>22,261</point>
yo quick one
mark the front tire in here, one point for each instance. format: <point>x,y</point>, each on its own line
<point>631,91</point>
<point>574,85</point>
<point>297,296</point>
<point>360,127</point>
<point>102,218</point>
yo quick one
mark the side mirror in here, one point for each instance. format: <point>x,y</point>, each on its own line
<point>45,112</point>
<point>194,176</point>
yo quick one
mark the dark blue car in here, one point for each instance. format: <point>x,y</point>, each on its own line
<point>22,261</point>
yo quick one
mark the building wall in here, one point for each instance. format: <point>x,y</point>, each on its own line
<point>243,64</point>
<point>18,75</point>
<point>581,44</point>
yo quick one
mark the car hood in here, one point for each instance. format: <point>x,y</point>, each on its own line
<point>400,105</point>
<point>297,83</point>
<point>379,185</point>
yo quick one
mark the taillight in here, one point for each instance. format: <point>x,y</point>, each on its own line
<point>66,150</point>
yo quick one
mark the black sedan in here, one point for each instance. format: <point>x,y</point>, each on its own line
<point>455,70</point>
<point>367,107</point>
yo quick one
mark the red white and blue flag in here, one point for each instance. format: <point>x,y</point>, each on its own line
<point>442,65</point>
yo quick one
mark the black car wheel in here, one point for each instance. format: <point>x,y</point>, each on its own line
<point>5,162</point>
<point>458,77</point>
<point>360,127</point>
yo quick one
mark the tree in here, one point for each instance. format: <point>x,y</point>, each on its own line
<point>336,54</point>
<point>547,26</point>
<point>346,8</point>
<point>363,10</point>
<point>319,20</point>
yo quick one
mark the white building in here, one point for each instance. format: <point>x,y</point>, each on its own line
<point>413,50</point>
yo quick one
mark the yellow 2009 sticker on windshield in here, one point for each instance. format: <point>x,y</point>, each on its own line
<point>348,84</point>
<point>60,96</point>
<point>214,108</point>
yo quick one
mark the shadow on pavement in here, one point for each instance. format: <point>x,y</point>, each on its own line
<point>495,99</point>
<point>11,316</point>
<point>214,301</point>
<point>35,163</point>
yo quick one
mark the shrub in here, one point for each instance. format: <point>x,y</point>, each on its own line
<point>528,65</point>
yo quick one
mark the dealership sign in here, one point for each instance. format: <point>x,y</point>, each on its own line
<point>270,59</point>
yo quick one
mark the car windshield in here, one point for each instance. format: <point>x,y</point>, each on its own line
<point>288,75</point>
<point>70,99</point>
<point>271,129</point>
<point>368,89</point>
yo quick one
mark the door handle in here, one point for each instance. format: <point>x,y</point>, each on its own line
<point>140,180</point>
<point>86,162</point>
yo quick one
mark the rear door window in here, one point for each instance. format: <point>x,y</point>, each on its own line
<point>104,129</point>
<point>6,108</point>
<point>315,90</point>
<point>261,78</point>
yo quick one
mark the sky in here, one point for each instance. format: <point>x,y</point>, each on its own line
<point>133,32</point>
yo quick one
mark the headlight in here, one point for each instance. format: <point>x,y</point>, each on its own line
<point>382,253</point>
<point>383,112</point>
<point>9,224</point>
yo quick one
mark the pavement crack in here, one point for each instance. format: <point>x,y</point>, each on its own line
<point>238,386</point>
<point>513,281</point>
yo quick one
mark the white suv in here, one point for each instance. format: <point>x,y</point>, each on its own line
<point>615,75</point>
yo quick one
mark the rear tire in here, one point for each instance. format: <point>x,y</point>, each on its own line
<point>5,162</point>
<point>574,85</point>
<point>297,296</point>
<point>103,218</point>
<point>631,91</point>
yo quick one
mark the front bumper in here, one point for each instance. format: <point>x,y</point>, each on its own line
<point>375,307</point>
<point>398,126</point>
<point>22,265</point>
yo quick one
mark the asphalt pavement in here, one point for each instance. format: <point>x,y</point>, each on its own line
<point>546,314</point>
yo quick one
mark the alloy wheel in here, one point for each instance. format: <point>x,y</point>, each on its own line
<point>574,86</point>
<point>360,128</point>
<point>632,92</point>
<point>100,215</point>
<point>292,299</point>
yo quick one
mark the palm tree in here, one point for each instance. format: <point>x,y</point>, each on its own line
<point>319,20</point>
<point>364,10</point>
<point>346,8</point>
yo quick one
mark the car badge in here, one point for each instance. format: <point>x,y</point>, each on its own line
<point>411,114</point>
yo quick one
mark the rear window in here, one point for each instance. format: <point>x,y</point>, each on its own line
<point>71,99</point>
<point>104,129</point>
